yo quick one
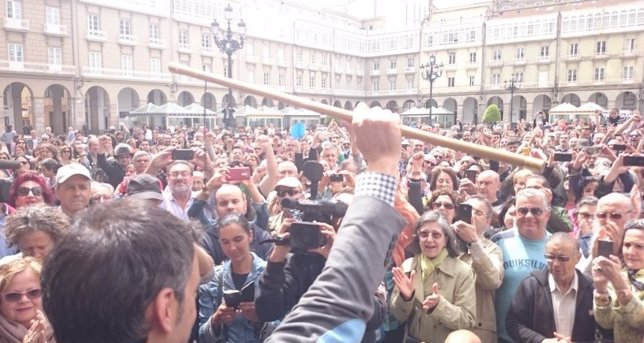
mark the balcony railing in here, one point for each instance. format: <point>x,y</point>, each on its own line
<point>96,35</point>
<point>157,43</point>
<point>57,30</point>
<point>410,70</point>
<point>37,67</point>
<point>130,74</point>
<point>16,24</point>
<point>127,39</point>
<point>375,73</point>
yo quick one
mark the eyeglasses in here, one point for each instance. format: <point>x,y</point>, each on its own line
<point>612,215</point>
<point>523,211</point>
<point>426,234</point>
<point>15,297</point>
<point>446,205</point>
<point>584,215</point>
<point>560,258</point>
<point>24,191</point>
<point>291,192</point>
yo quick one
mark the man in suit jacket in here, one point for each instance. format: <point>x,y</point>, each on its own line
<point>554,305</point>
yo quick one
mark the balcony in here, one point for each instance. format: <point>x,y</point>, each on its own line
<point>184,49</point>
<point>410,70</point>
<point>375,73</point>
<point>207,51</point>
<point>496,62</point>
<point>472,65</point>
<point>282,62</point>
<point>16,24</point>
<point>118,74</point>
<point>627,81</point>
<point>599,82</point>
<point>156,43</point>
<point>314,66</point>
<point>630,53</point>
<point>574,57</point>
<point>325,67</point>
<point>450,67</point>
<point>37,67</point>
<point>267,60</point>
<point>520,61</point>
<point>97,36</point>
<point>127,39</point>
<point>543,59</point>
<point>392,71</point>
<point>56,30</point>
<point>13,65</point>
<point>600,55</point>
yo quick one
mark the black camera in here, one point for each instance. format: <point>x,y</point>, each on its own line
<point>305,234</point>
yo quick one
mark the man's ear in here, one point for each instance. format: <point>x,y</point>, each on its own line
<point>162,311</point>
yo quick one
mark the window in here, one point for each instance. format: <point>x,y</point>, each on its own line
<point>629,45</point>
<point>518,77</point>
<point>205,41</point>
<point>281,79</point>
<point>298,81</point>
<point>250,76</point>
<point>125,29</point>
<point>451,58</point>
<point>183,39</point>
<point>496,79</point>
<point>628,73</point>
<point>95,63</point>
<point>496,55</point>
<point>600,47</point>
<point>392,65</point>
<point>376,65</point>
<point>450,81</point>
<point>599,74</point>
<point>520,56</point>
<point>471,80</point>
<point>155,35</point>
<point>52,16</point>
<point>54,56</point>
<point>410,84</point>
<point>280,54</point>
<point>267,78</point>
<point>14,9</point>
<point>574,49</point>
<point>410,62</point>
<point>544,52</point>
<point>299,56</point>
<point>572,75</point>
<point>155,66</point>
<point>126,65</point>
<point>472,57</point>
<point>312,57</point>
<point>471,37</point>
<point>93,25</point>
<point>323,82</point>
<point>375,86</point>
<point>16,53</point>
<point>392,85</point>
<point>325,59</point>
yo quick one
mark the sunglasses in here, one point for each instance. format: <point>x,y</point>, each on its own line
<point>15,297</point>
<point>283,192</point>
<point>523,211</point>
<point>584,215</point>
<point>24,191</point>
<point>612,215</point>
<point>560,258</point>
<point>446,205</point>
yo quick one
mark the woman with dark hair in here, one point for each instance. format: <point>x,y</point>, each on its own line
<point>46,150</point>
<point>48,169</point>
<point>619,288</point>
<point>28,189</point>
<point>25,166</point>
<point>444,179</point>
<point>224,318</point>
<point>445,202</point>
<point>65,154</point>
<point>434,292</point>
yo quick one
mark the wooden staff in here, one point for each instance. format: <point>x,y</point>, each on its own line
<point>342,114</point>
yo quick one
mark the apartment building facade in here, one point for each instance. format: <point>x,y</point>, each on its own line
<point>75,63</point>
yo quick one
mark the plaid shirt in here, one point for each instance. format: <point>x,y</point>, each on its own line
<point>377,185</point>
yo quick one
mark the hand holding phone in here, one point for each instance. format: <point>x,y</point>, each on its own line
<point>604,248</point>
<point>239,174</point>
<point>464,213</point>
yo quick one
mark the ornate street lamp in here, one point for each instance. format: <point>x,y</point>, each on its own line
<point>228,45</point>
<point>511,85</point>
<point>430,72</point>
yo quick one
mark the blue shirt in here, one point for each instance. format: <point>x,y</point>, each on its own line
<point>521,256</point>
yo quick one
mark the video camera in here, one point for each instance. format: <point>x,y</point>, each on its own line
<point>305,233</point>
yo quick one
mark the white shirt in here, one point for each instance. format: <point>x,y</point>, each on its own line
<point>172,206</point>
<point>563,305</point>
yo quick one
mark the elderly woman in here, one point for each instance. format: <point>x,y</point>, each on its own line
<point>445,202</point>
<point>443,178</point>
<point>619,291</point>
<point>434,292</point>
<point>21,316</point>
<point>28,189</point>
<point>35,230</point>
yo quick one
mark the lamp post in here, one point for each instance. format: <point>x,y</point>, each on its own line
<point>228,45</point>
<point>511,85</point>
<point>431,71</point>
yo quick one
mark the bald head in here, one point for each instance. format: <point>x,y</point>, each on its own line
<point>489,184</point>
<point>462,336</point>
<point>230,199</point>
<point>616,208</point>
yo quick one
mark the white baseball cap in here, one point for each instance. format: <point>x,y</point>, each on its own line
<point>69,170</point>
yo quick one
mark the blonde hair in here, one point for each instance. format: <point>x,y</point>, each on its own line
<point>13,268</point>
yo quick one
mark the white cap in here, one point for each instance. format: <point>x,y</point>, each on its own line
<point>69,170</point>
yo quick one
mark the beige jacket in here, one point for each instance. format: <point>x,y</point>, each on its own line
<point>456,309</point>
<point>626,321</point>
<point>486,259</point>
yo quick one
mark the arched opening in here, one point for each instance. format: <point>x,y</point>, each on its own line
<point>337,103</point>
<point>127,100</point>
<point>280,105</point>
<point>209,101</point>
<point>19,105</point>
<point>600,99</point>
<point>431,103</point>
<point>450,105</point>
<point>228,100</point>
<point>324,101</point>
<point>498,102</point>
<point>519,108</point>
<point>392,106</point>
<point>626,101</point>
<point>157,97</point>
<point>97,109</point>
<point>267,102</point>
<point>348,106</point>
<point>185,98</point>
<point>470,110</point>
<point>572,99</point>
<point>250,101</point>
<point>408,105</point>
<point>57,109</point>
<point>374,104</point>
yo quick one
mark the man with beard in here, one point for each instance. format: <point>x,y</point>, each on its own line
<point>178,196</point>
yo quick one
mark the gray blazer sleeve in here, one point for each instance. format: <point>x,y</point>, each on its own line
<point>341,300</point>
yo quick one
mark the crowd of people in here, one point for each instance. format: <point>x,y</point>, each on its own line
<point>243,234</point>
